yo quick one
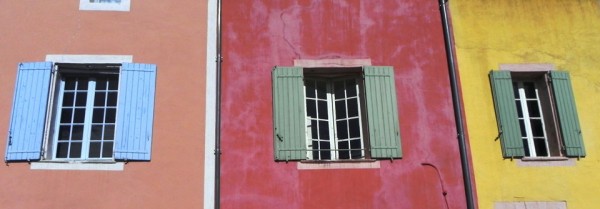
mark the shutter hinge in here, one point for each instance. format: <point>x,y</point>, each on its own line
<point>499,134</point>
<point>9,138</point>
<point>279,137</point>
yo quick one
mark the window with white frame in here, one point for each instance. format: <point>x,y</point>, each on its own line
<point>333,117</point>
<point>335,113</point>
<point>105,5</point>
<point>536,114</point>
<point>82,112</point>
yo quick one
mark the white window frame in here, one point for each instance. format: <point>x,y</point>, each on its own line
<point>527,118</point>
<point>122,5</point>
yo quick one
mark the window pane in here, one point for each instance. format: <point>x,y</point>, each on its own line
<point>68,99</point>
<point>75,151</point>
<point>533,108</point>
<point>526,146</point>
<point>339,90</point>
<point>107,149</point>
<point>342,129</point>
<point>322,109</point>
<point>356,153</point>
<point>65,115</point>
<point>113,82</point>
<point>540,147</point>
<point>325,155</point>
<point>353,107</point>
<point>109,132</point>
<point>340,109</point>
<point>310,88</point>
<point>522,125</point>
<point>98,115</point>
<point>321,90</point>
<point>311,108</point>
<point>99,99</point>
<point>77,133</point>
<point>79,115</point>
<point>81,98</point>
<point>112,99</point>
<point>96,133</point>
<point>529,90</point>
<point>100,83</point>
<point>516,89</point>
<point>315,146</point>
<point>354,128</point>
<point>62,149</point>
<point>314,129</point>
<point>536,128</point>
<point>323,130</point>
<point>111,113</point>
<point>343,147</point>
<point>69,83</point>
<point>95,149</point>
<point>64,132</point>
<point>82,84</point>
<point>351,88</point>
<point>519,108</point>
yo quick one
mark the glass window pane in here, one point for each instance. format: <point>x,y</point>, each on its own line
<point>62,150</point>
<point>109,132</point>
<point>540,147</point>
<point>95,149</point>
<point>340,109</point>
<point>96,133</point>
<point>339,90</point>
<point>98,115</point>
<point>342,129</point>
<point>323,130</point>
<point>68,99</point>
<point>351,88</point>
<point>107,149</point>
<point>315,153</point>
<point>353,107</point>
<point>519,108</point>
<point>321,90</point>
<point>322,109</point>
<point>113,82</point>
<point>314,129</point>
<point>75,150</point>
<point>355,145</point>
<point>99,99</point>
<point>534,110</point>
<point>522,125</point>
<point>310,88</point>
<point>325,155</point>
<point>77,133</point>
<point>82,83</point>
<point>343,152</point>
<point>354,128</point>
<point>69,83</point>
<point>100,83</point>
<point>81,98</point>
<point>79,115</point>
<point>64,132</point>
<point>311,108</point>
<point>526,146</point>
<point>516,89</point>
<point>65,115</point>
<point>536,128</point>
<point>111,114</point>
<point>112,99</point>
<point>529,90</point>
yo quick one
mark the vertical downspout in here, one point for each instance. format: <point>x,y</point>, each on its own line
<point>219,60</point>
<point>464,159</point>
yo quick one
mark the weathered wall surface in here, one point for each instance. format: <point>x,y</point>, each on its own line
<point>261,34</point>
<point>563,33</point>
<point>171,35</point>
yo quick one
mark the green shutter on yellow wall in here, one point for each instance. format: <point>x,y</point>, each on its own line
<point>506,114</point>
<point>567,114</point>
<point>382,112</point>
<point>288,114</point>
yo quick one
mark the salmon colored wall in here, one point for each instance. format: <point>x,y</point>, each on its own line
<point>405,34</point>
<point>563,33</point>
<point>171,34</point>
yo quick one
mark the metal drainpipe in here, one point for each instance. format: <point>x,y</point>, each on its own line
<point>219,60</point>
<point>464,160</point>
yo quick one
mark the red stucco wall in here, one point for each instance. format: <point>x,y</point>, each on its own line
<point>405,34</point>
<point>170,34</point>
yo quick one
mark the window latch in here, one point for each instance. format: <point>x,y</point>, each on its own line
<point>499,134</point>
<point>279,137</point>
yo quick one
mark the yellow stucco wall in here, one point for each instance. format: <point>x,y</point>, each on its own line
<point>565,33</point>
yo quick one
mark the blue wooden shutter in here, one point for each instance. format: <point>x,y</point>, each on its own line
<point>506,113</point>
<point>382,112</point>
<point>567,114</point>
<point>288,114</point>
<point>28,115</point>
<point>135,111</point>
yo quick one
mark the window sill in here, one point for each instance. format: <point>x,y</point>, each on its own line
<point>545,161</point>
<point>96,165</point>
<point>338,164</point>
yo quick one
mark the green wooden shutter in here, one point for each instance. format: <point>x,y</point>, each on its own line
<point>382,112</point>
<point>506,113</point>
<point>288,111</point>
<point>567,114</point>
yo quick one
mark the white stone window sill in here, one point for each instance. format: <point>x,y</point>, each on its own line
<point>350,164</point>
<point>546,161</point>
<point>96,165</point>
